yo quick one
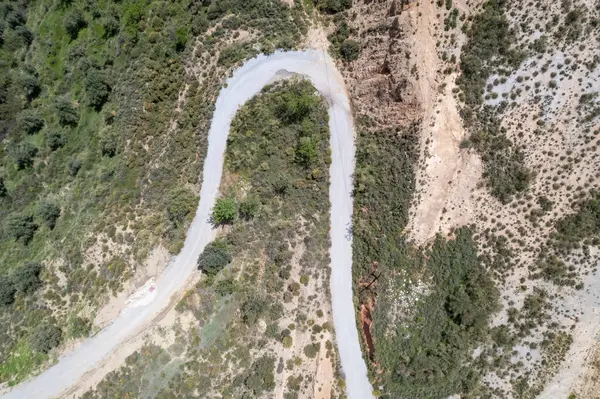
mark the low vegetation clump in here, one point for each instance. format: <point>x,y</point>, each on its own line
<point>489,48</point>
<point>423,350</point>
<point>574,232</point>
<point>213,259</point>
<point>430,353</point>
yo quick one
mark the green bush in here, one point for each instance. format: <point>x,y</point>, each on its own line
<point>225,287</point>
<point>253,309</point>
<point>350,50</point>
<point>306,152</point>
<point>333,6</point>
<point>49,212</point>
<point>295,105</point>
<point>26,279</point>
<point>45,337</point>
<point>213,259</point>
<point>181,203</point>
<point>21,227</point>
<point>7,291</point>
<point>31,122</point>
<point>74,22</point>
<point>67,114</point>
<point>224,211</point>
<point>22,153</point>
<point>79,327</point>
<point>54,139</point>
<point>97,89</point>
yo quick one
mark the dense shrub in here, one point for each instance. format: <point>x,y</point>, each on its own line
<point>181,204</point>
<point>73,166</point>
<point>108,145</point>
<point>260,377</point>
<point>333,6</point>
<point>79,327</point>
<point>22,153</point>
<point>445,327</point>
<point>45,337</point>
<point>7,291</point>
<point>350,50</point>
<point>225,287</point>
<point>31,122</point>
<point>26,279</point>
<point>49,212</point>
<point>96,87</point>
<point>253,309</point>
<point>54,139</point>
<point>213,259</point>
<point>504,163</point>
<point>21,227</point>
<point>67,114</point>
<point>74,22</point>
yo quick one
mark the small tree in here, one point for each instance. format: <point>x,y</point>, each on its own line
<point>97,89</point>
<point>49,212</point>
<point>22,227</point>
<point>181,38</point>
<point>7,291</point>
<point>74,165</point>
<point>31,85</point>
<point>225,211</point>
<point>307,151</point>
<point>31,122</point>
<point>350,50</point>
<point>54,139</point>
<point>108,145</point>
<point>67,114</point>
<point>333,6</point>
<point>22,153</point>
<point>213,259</point>
<point>45,337</point>
<point>74,22</point>
<point>111,26</point>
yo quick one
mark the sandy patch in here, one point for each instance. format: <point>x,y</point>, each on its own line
<point>142,279</point>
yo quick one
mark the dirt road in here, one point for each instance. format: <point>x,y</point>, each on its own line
<point>243,85</point>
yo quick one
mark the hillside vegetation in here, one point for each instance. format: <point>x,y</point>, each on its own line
<point>261,312</point>
<point>104,110</point>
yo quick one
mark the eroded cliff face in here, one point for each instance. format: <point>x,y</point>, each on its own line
<point>384,81</point>
<point>544,103</point>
